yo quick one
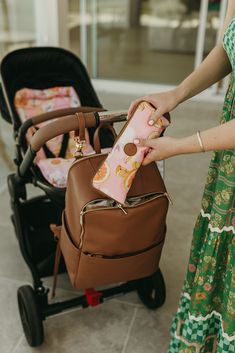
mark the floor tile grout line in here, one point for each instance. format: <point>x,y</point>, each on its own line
<point>129,303</point>
<point>17,344</point>
<point>129,330</point>
<point>105,301</point>
<point>65,312</point>
<point>6,225</point>
<point>15,280</point>
<point>25,282</point>
<point>3,188</point>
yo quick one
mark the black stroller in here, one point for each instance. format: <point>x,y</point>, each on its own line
<point>40,68</point>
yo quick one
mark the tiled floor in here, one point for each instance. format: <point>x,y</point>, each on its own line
<point>123,324</point>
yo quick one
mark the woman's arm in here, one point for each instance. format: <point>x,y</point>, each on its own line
<point>217,138</point>
<point>215,66</point>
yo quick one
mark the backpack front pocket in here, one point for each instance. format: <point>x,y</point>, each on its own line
<point>109,231</point>
<point>70,252</point>
<point>98,271</point>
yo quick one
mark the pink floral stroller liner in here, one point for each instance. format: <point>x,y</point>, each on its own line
<point>31,102</point>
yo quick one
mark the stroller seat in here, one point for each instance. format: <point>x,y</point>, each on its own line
<point>55,159</point>
<point>42,79</point>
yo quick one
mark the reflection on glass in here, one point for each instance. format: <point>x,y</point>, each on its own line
<point>148,40</point>
<point>74,25</point>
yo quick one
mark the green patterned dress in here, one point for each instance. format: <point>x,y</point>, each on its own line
<point>205,320</point>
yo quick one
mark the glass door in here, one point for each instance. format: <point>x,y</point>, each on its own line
<point>17,25</point>
<point>154,41</point>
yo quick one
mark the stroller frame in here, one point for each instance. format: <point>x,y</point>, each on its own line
<point>34,306</point>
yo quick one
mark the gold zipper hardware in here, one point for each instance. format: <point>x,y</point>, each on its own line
<point>95,255</point>
<point>169,198</point>
<point>121,208</point>
<point>79,144</point>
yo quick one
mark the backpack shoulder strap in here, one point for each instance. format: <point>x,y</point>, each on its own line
<point>56,231</point>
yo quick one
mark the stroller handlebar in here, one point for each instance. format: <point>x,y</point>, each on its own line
<point>62,126</point>
<point>62,112</point>
<point>70,123</point>
<point>112,116</point>
<point>59,127</point>
<point>55,114</point>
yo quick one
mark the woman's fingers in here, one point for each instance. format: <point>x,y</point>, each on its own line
<point>158,118</point>
<point>154,135</point>
<point>135,103</point>
<point>133,107</point>
<point>145,142</point>
<point>159,112</point>
<point>150,157</point>
<point>155,116</point>
<point>163,102</point>
<point>158,148</point>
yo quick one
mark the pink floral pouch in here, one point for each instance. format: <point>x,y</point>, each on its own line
<point>116,174</point>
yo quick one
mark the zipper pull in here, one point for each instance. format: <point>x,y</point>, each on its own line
<point>121,208</point>
<point>169,198</point>
<point>81,218</point>
<point>95,255</point>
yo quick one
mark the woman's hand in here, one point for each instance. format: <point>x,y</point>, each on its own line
<point>221,137</point>
<point>163,102</point>
<point>160,148</point>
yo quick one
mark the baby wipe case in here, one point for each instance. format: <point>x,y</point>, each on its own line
<point>117,172</point>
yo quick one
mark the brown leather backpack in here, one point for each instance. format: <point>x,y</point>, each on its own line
<point>103,243</point>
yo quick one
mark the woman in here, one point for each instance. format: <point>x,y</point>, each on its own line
<point>205,321</point>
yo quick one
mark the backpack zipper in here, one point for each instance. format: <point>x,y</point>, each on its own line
<point>83,212</point>
<point>100,256</point>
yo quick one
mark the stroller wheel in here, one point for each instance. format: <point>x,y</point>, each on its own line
<point>152,291</point>
<point>30,316</point>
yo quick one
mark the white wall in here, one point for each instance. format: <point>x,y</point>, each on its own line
<point>20,14</point>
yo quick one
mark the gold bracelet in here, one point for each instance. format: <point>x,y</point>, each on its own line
<point>200,141</point>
